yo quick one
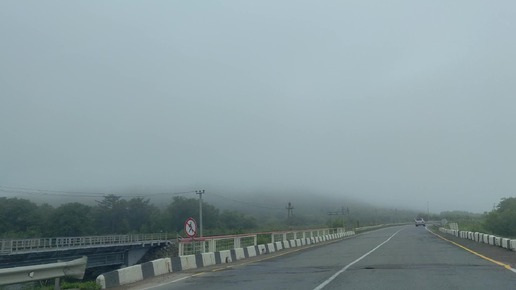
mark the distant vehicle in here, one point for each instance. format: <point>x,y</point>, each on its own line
<point>420,222</point>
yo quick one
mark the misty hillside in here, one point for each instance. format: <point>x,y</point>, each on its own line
<point>267,208</point>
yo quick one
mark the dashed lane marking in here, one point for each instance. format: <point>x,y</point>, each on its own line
<point>323,284</point>
<point>276,254</point>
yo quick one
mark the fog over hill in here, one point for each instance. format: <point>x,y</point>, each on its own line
<point>400,105</point>
<point>259,203</point>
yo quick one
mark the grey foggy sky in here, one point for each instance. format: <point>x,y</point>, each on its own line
<point>392,102</point>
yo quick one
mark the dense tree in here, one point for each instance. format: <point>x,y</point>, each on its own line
<point>18,217</point>
<point>458,215</point>
<point>140,214</point>
<point>71,219</point>
<point>236,221</point>
<point>43,214</point>
<point>111,215</point>
<point>502,221</point>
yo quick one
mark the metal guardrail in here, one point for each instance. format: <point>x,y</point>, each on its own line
<point>16,246</point>
<point>74,269</point>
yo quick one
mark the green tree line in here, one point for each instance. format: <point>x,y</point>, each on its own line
<point>22,218</point>
<point>500,221</point>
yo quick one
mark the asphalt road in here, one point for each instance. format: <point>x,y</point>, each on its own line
<point>393,258</point>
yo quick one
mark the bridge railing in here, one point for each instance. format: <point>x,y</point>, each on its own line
<point>12,246</point>
<point>189,246</point>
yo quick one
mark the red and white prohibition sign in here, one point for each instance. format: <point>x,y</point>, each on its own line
<point>191,227</point>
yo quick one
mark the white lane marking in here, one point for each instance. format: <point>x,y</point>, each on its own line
<point>323,284</point>
<point>163,284</point>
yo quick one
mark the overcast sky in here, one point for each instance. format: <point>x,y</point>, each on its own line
<point>402,103</point>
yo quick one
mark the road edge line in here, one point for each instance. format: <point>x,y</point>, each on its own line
<point>506,266</point>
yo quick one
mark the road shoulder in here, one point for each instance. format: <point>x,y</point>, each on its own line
<point>494,253</point>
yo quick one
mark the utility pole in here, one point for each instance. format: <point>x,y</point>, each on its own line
<point>343,212</point>
<point>200,193</point>
<point>289,209</point>
<point>330,214</point>
<point>427,210</point>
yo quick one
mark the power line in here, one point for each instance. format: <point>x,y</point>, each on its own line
<point>46,191</point>
<point>177,193</point>
<point>38,191</point>
<point>247,202</point>
<point>84,194</point>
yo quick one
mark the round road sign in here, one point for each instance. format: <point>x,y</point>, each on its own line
<point>190,227</point>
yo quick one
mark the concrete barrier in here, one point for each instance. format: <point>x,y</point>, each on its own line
<point>251,251</point>
<point>225,257</point>
<point>239,252</point>
<point>484,238</point>
<point>158,267</point>
<point>189,262</point>
<point>262,249</point>
<point>208,259</point>
<point>512,244</point>
<point>491,240</point>
<point>130,274</point>
<point>505,243</point>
